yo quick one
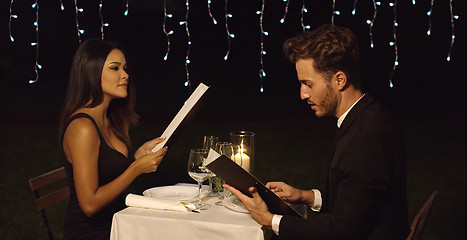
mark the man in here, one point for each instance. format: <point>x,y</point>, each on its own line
<point>365,197</point>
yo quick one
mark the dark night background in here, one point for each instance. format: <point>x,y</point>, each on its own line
<point>428,97</point>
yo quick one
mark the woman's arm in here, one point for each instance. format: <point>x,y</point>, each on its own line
<point>81,145</point>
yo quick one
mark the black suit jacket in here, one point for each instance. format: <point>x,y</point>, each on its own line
<point>365,197</point>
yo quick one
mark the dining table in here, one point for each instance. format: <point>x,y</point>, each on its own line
<point>216,222</point>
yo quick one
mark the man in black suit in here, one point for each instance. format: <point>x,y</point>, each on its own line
<point>365,197</point>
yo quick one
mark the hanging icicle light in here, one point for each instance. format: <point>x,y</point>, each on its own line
<point>187,57</point>
<point>37,66</point>
<point>285,11</point>
<point>61,5</point>
<point>334,12</point>
<point>102,20</point>
<point>229,35</point>
<point>210,14</point>
<point>354,10</point>
<point>448,58</point>
<point>126,8</point>
<point>394,43</point>
<point>77,11</point>
<point>262,73</point>
<point>428,32</point>
<point>372,21</point>
<point>9,24</point>
<point>167,34</point>
<point>304,10</point>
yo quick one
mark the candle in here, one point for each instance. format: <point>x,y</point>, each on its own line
<point>243,160</point>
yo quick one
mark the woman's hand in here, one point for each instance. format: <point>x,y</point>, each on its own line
<point>147,147</point>
<point>149,161</point>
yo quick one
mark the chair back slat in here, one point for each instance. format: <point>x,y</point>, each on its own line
<point>418,224</point>
<point>47,178</point>
<point>52,198</point>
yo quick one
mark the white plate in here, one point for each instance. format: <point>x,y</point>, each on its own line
<point>181,193</point>
<point>234,204</point>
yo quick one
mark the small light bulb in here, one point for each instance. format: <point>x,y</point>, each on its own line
<point>368,21</point>
<point>266,33</point>
<point>282,20</point>
<point>126,13</point>
<point>14,16</point>
<point>353,12</point>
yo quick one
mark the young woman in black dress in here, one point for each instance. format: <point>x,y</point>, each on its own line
<point>98,112</point>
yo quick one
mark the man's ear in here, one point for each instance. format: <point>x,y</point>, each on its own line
<point>341,79</point>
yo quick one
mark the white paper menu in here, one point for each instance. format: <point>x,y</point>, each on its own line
<point>192,100</point>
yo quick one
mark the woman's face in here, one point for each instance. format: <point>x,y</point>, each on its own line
<point>114,79</point>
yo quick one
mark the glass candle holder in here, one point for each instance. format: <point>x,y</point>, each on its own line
<point>246,142</point>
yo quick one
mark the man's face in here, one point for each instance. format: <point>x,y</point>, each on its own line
<point>316,90</point>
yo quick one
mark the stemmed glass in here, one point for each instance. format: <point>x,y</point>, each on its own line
<point>210,142</point>
<point>198,171</point>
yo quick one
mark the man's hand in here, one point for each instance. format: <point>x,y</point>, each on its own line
<point>291,194</point>
<point>257,207</point>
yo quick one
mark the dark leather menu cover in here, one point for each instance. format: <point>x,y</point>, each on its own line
<point>237,177</point>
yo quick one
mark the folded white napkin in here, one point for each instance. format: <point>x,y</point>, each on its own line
<point>133,200</point>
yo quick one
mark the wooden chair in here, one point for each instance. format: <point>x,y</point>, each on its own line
<point>419,221</point>
<point>52,198</point>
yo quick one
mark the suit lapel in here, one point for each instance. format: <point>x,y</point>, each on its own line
<point>349,119</point>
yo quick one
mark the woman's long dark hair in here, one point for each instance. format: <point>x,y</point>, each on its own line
<point>85,89</point>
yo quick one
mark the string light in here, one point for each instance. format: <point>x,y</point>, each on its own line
<point>126,8</point>
<point>286,10</point>
<point>210,14</point>
<point>304,10</point>
<point>262,73</point>
<point>229,35</point>
<point>79,31</point>
<point>187,57</point>
<point>413,2</point>
<point>11,17</point>
<point>37,66</point>
<point>354,10</point>
<point>165,30</point>
<point>102,20</point>
<point>428,32</point>
<point>394,43</point>
<point>448,58</point>
<point>61,5</point>
<point>372,22</point>
<point>334,12</point>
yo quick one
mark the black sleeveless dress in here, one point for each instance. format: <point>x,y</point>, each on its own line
<point>111,164</point>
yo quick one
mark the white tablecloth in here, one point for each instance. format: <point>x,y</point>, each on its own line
<point>217,222</point>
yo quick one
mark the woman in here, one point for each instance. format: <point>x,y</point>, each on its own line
<point>98,112</point>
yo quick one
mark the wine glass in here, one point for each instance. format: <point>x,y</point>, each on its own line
<point>225,148</point>
<point>210,142</point>
<point>198,171</point>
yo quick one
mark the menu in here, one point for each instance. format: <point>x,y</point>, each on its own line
<point>192,100</point>
<point>237,177</point>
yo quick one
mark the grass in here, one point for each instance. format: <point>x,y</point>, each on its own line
<point>290,147</point>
